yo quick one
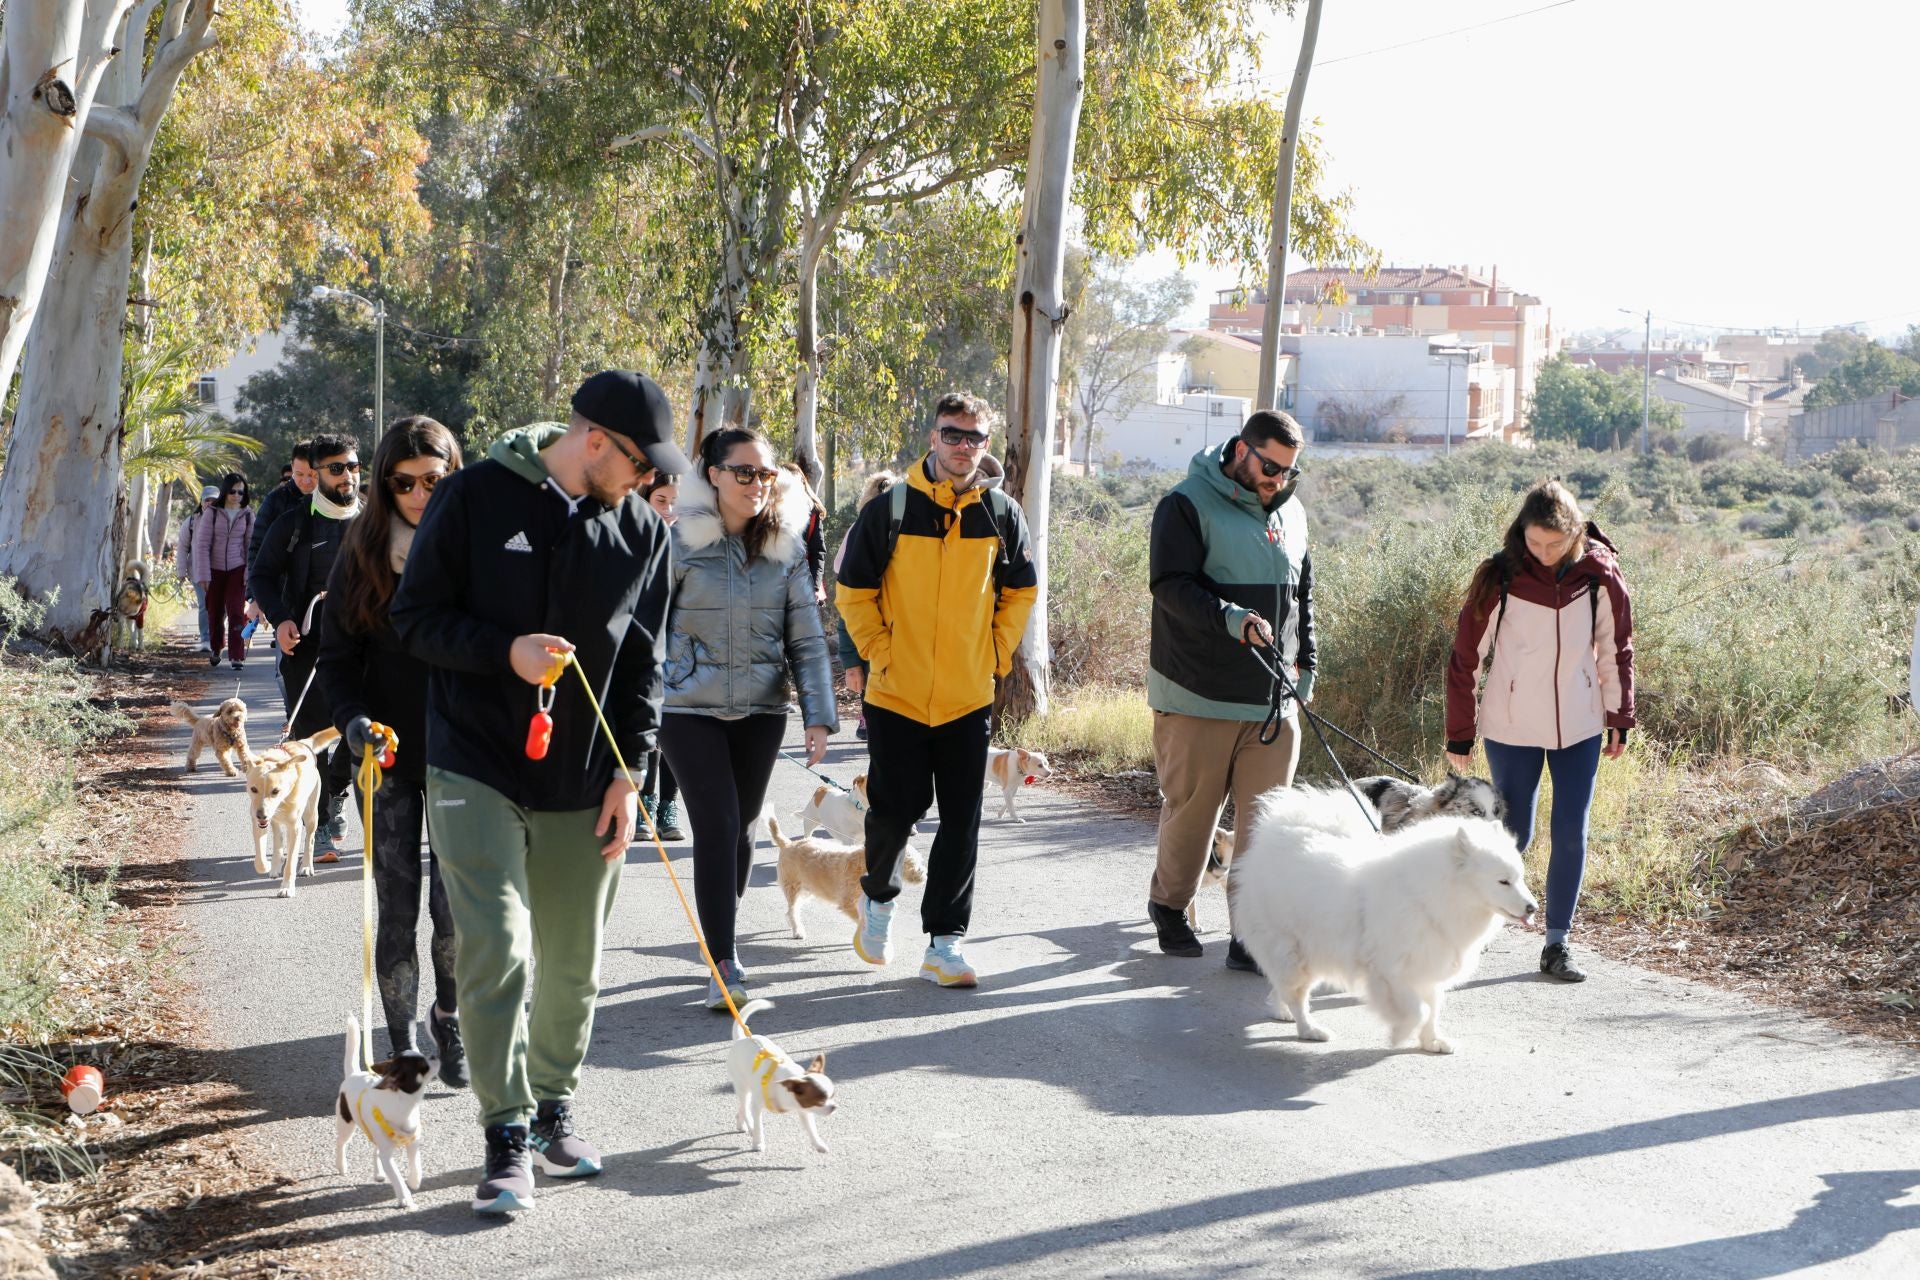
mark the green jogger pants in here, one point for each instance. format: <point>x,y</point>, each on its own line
<point>524,886</point>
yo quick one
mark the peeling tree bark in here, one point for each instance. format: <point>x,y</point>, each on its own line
<point>1033,373</point>
<point>54,54</point>
<point>60,494</point>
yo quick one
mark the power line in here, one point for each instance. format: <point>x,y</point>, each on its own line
<point>1408,44</point>
<point>1782,328</point>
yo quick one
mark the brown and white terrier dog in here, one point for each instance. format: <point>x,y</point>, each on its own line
<point>766,1080</point>
<point>828,870</point>
<point>283,800</point>
<point>1013,768</point>
<point>384,1104</point>
<point>224,733</point>
<point>844,813</point>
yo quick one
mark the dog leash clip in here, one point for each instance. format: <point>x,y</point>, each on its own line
<point>389,743</point>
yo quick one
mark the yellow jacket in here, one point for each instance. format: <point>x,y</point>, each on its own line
<point>937,607</point>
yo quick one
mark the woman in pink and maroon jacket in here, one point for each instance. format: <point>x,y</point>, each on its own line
<point>220,567</point>
<point>1549,619</point>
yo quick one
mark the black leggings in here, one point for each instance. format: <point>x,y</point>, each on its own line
<point>399,810</point>
<point>732,760</point>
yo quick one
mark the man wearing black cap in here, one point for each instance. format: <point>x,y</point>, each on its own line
<point>541,549</point>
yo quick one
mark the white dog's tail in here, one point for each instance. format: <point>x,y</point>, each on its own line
<point>186,713</point>
<point>353,1047</point>
<point>747,1013</point>
<point>773,829</point>
<point>1330,810</point>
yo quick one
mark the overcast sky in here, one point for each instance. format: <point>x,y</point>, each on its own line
<point>1723,164</point>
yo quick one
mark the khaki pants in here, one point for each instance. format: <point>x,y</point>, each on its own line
<point>1202,761</point>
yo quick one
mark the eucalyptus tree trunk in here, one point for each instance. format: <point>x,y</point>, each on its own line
<point>54,54</point>
<point>1033,372</point>
<point>1269,389</point>
<point>61,491</point>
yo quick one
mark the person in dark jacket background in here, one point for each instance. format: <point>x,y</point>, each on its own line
<point>367,676</point>
<point>543,548</point>
<point>288,579</point>
<point>284,497</point>
<point>1229,567</point>
<point>659,789</point>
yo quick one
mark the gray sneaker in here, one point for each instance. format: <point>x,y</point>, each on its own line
<point>508,1184</point>
<point>736,986</point>
<point>562,1153</point>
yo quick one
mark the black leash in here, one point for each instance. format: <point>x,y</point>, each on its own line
<point>1283,689</point>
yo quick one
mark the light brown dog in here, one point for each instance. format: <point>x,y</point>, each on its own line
<point>827,870</point>
<point>1219,860</point>
<point>1013,768</point>
<point>224,733</point>
<point>283,791</point>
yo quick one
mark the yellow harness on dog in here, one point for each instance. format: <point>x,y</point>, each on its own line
<point>397,1139</point>
<point>774,1062</point>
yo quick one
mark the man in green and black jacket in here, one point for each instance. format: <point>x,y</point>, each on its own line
<point>1229,569</point>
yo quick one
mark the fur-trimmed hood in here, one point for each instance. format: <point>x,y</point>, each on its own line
<point>699,525</point>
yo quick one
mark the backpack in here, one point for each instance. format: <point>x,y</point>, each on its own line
<point>999,506</point>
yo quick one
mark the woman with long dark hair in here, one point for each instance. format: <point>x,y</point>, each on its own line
<point>220,567</point>
<point>1549,619</point>
<point>369,677</point>
<point>744,621</point>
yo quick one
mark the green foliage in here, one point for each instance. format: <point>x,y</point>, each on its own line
<point>170,434</point>
<point>1834,348</point>
<point>1871,370</point>
<point>1593,408</point>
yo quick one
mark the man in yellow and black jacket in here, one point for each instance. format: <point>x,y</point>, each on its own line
<point>934,589</point>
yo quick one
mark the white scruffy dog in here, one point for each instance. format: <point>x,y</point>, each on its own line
<point>1316,896</point>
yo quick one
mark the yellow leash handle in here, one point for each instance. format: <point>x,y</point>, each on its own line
<point>566,659</point>
<point>383,743</point>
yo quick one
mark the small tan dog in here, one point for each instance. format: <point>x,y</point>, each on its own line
<point>1219,861</point>
<point>1013,768</point>
<point>766,1080</point>
<point>283,790</point>
<point>844,813</point>
<point>828,870</point>
<point>224,733</point>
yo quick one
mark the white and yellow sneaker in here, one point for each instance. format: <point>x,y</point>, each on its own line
<point>945,965</point>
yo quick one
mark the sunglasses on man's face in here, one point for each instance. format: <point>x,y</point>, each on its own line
<point>400,484</point>
<point>338,469</point>
<point>956,438</point>
<point>1269,468</point>
<point>745,473</point>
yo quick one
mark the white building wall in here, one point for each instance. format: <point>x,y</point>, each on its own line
<point>1707,410</point>
<point>1396,375</point>
<point>1166,436</point>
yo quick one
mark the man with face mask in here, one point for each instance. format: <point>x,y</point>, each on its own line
<point>546,547</point>
<point>1229,568</point>
<point>289,572</point>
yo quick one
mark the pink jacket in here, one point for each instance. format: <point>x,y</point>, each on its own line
<point>220,541</point>
<point>1562,668</point>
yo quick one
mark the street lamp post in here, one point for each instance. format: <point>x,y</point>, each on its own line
<point>1466,355</point>
<point>379,350</point>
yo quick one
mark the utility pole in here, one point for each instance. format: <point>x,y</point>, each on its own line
<point>1646,390</point>
<point>1269,388</point>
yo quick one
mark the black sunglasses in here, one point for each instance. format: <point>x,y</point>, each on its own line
<point>954,436</point>
<point>639,464</point>
<point>1270,468</point>
<point>745,473</point>
<point>400,485</point>
<point>338,469</point>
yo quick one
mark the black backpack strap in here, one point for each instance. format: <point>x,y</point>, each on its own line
<point>1593,602</point>
<point>999,510</point>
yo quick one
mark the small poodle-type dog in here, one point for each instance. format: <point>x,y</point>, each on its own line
<point>844,813</point>
<point>130,606</point>
<point>384,1104</point>
<point>828,870</point>
<point>224,733</point>
<point>1403,803</point>
<point>1013,768</point>
<point>283,790</point>
<point>766,1080</point>
<point>1318,896</point>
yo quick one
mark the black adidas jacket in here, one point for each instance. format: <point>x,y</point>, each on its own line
<point>497,556</point>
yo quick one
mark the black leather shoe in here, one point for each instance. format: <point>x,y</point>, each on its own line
<point>1238,957</point>
<point>1176,935</point>
<point>1556,961</point>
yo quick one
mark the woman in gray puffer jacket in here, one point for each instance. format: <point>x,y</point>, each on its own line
<point>744,617</point>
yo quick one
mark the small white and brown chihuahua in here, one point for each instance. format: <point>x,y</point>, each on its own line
<point>384,1104</point>
<point>766,1080</point>
<point>1013,768</point>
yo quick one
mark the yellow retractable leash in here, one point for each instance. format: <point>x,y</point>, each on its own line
<point>566,660</point>
<point>378,757</point>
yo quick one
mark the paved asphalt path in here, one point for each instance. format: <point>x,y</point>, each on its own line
<point>1096,1108</point>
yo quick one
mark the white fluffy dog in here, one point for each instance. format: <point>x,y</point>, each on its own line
<point>1316,895</point>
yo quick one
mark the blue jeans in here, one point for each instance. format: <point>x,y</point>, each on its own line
<point>1516,772</point>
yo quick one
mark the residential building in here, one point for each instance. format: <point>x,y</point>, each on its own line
<point>1162,436</point>
<point>1228,364</point>
<point>219,389</point>
<point>1516,329</point>
<point>1770,355</point>
<point>1712,406</point>
<point>1888,421</point>
<point>1381,388</point>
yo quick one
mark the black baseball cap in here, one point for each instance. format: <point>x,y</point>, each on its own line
<point>633,405</point>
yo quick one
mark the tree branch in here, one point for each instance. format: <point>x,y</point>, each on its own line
<point>667,133</point>
<point>913,194</point>
<point>118,130</point>
<point>186,33</point>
